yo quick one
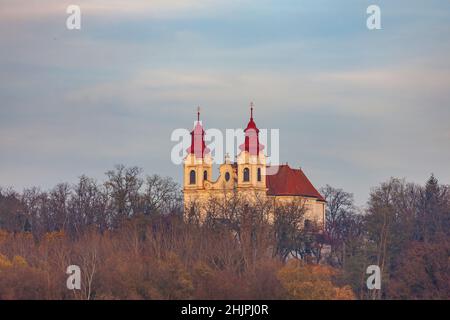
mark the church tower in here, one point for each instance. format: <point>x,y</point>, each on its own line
<point>251,161</point>
<point>197,164</point>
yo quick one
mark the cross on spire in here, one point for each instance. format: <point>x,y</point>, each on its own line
<point>198,146</point>
<point>251,143</point>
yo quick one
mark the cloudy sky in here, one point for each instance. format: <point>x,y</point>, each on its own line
<point>354,107</point>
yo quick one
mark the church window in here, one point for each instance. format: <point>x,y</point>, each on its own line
<point>192,177</point>
<point>246,175</point>
<point>259,174</point>
<point>227,176</point>
<point>205,175</point>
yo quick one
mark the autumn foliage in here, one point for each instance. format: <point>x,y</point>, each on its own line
<point>130,239</point>
<point>311,281</point>
<point>157,258</point>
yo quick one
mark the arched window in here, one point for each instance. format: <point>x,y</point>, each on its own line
<point>227,176</point>
<point>259,174</point>
<point>192,177</point>
<point>205,175</point>
<point>246,175</point>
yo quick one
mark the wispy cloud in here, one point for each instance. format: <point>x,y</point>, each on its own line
<point>159,9</point>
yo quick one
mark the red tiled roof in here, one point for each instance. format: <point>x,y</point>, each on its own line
<point>291,182</point>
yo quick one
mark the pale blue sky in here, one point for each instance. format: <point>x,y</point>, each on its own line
<point>354,107</point>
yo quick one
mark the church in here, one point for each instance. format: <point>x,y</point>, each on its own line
<point>248,176</point>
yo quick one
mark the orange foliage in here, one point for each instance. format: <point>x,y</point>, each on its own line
<point>169,261</point>
<point>311,282</point>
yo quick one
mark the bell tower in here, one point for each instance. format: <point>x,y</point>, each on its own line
<point>251,161</point>
<point>197,165</point>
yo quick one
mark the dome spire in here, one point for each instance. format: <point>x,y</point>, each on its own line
<point>198,146</point>
<point>251,143</point>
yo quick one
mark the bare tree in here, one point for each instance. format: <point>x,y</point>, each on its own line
<point>123,185</point>
<point>161,195</point>
<point>341,221</point>
<point>288,227</point>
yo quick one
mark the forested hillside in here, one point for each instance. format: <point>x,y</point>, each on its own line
<point>130,240</point>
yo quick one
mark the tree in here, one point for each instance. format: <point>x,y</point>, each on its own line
<point>11,211</point>
<point>123,186</point>
<point>401,218</point>
<point>58,207</point>
<point>295,235</point>
<point>311,282</point>
<point>423,272</point>
<point>161,195</point>
<point>342,227</point>
<point>433,221</point>
<point>88,207</point>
